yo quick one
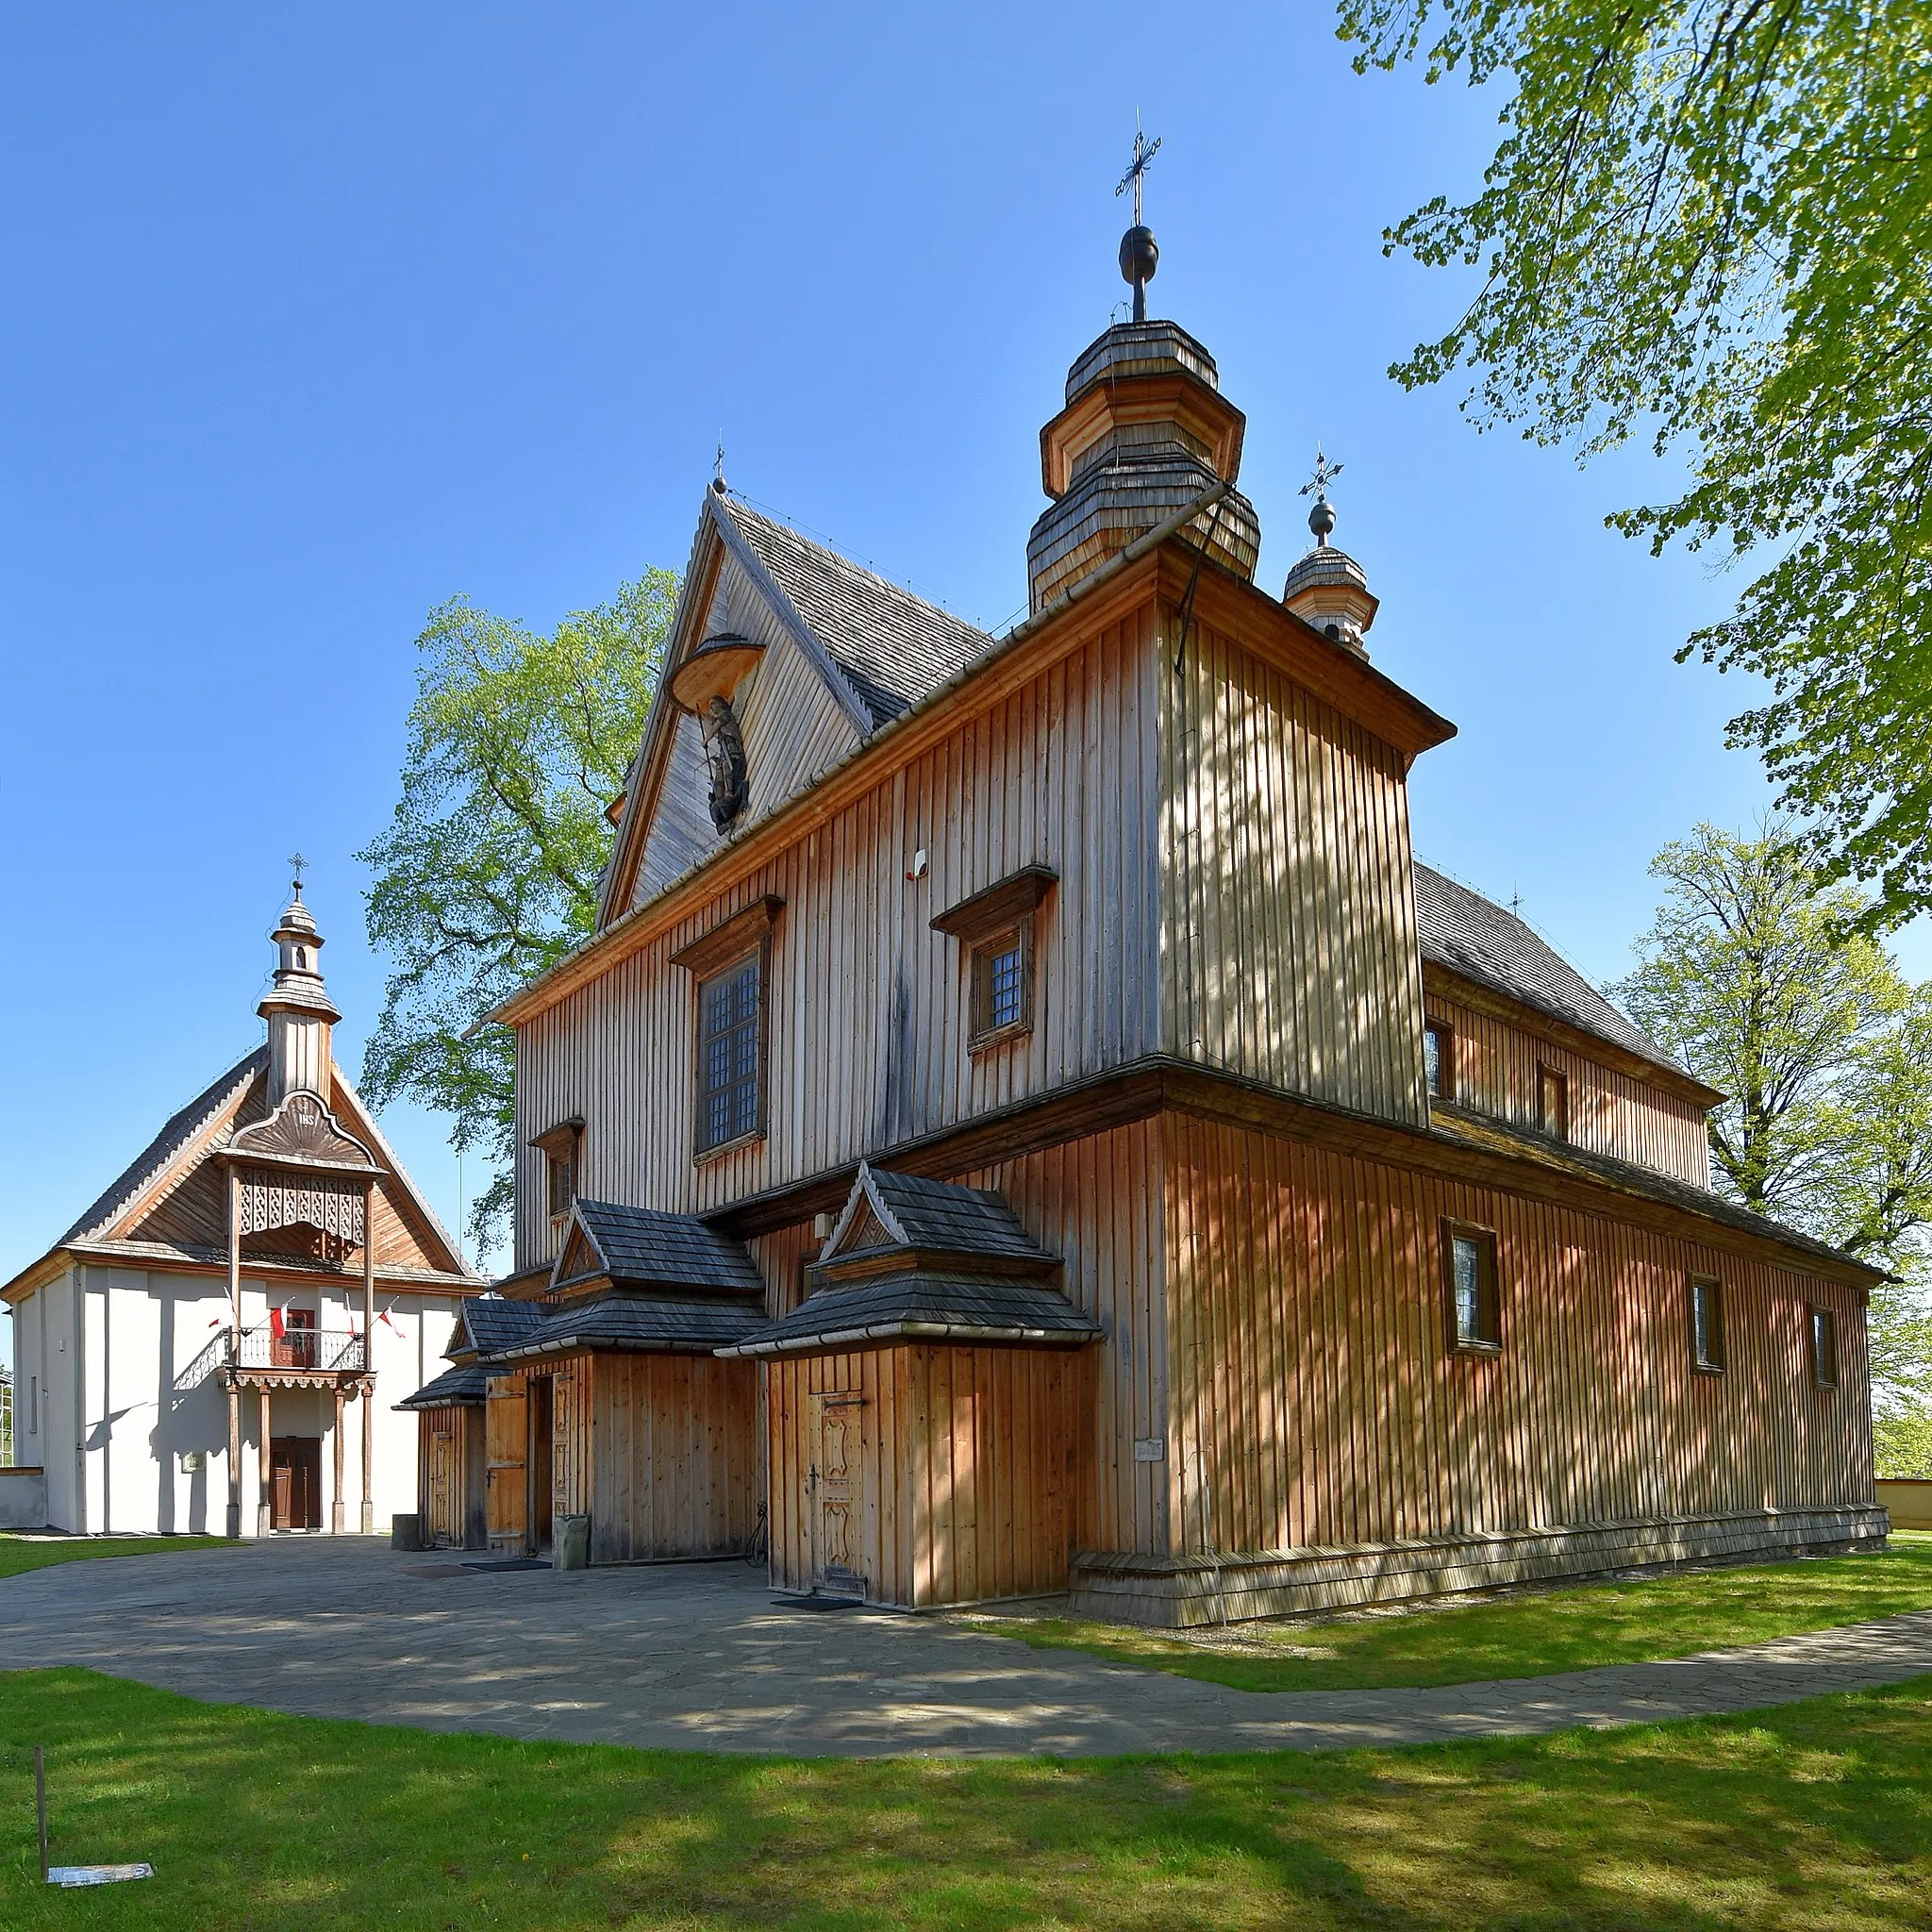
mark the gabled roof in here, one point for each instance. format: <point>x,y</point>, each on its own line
<point>453,1387</point>
<point>638,1323</point>
<point>1470,935</point>
<point>487,1323</point>
<point>928,1306</point>
<point>933,1215</point>
<point>891,647</point>
<point>639,1247</point>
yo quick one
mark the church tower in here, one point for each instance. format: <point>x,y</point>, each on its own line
<point>298,1009</point>
<point>1145,432</point>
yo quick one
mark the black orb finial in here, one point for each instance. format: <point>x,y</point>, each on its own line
<point>1322,518</point>
<point>1139,254</point>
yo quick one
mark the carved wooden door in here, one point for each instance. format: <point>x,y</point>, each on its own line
<point>836,1480</point>
<point>505,1425</point>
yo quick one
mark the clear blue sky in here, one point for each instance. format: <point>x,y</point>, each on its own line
<point>317,316</point>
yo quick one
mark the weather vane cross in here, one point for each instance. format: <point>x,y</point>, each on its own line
<point>1325,473</point>
<point>300,865</point>
<point>1144,151</point>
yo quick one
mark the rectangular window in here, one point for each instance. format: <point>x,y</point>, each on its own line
<point>562,1162</point>
<point>1002,989</point>
<point>1706,1326</point>
<point>1470,1264</point>
<point>1553,1103</point>
<point>1825,1348</point>
<point>1439,1060</point>
<point>730,1083</point>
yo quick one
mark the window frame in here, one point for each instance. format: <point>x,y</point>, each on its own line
<point>760,952</point>
<point>1821,1323</point>
<point>981,1030</point>
<point>1444,1036</point>
<point>986,924</point>
<point>1547,1078</point>
<point>561,1144</point>
<point>1489,1291</point>
<point>1711,1357</point>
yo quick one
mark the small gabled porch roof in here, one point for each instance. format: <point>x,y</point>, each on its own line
<point>643,1249</point>
<point>465,1386</point>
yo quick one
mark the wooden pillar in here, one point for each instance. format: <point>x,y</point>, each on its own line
<point>369,1360</point>
<point>235,1353</point>
<point>264,1509</point>
<point>338,1519</point>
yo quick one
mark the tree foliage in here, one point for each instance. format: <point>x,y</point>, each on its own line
<point>1756,975</point>
<point>490,868</point>
<point>1713,220</point>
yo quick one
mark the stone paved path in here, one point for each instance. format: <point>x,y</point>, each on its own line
<point>697,1656</point>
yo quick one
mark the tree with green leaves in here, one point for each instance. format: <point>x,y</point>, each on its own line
<point>1710,222</point>
<point>1756,975</point>
<point>490,868</point>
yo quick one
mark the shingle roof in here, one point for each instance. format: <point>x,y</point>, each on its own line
<point>890,646</point>
<point>180,1129</point>
<point>1469,935</point>
<point>487,1325</point>
<point>944,1215</point>
<point>955,1307</point>
<point>467,1384</point>
<point>639,1323</point>
<point>642,1246</point>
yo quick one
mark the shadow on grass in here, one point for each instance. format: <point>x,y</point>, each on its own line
<point>1813,1812</point>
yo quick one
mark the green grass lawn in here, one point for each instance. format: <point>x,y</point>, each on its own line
<point>1564,1629</point>
<point>1814,1815</point>
<point>19,1553</point>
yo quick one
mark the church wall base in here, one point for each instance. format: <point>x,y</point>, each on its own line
<point>1187,1592</point>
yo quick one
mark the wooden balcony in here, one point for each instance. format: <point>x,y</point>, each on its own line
<point>296,1357</point>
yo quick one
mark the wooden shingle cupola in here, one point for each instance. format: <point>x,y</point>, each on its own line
<point>297,1007</point>
<point>1145,432</point>
<point>1328,588</point>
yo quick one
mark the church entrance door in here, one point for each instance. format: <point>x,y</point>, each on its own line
<point>296,1482</point>
<point>836,1480</point>
<point>543,1461</point>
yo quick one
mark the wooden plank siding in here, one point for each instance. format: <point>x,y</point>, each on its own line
<point>971,1463</point>
<point>1496,1072</point>
<point>1289,934</point>
<point>1317,1401</point>
<point>505,1447</point>
<point>674,1456</point>
<point>868,1004</point>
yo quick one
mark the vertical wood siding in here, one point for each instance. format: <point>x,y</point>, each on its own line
<point>868,1004</point>
<point>674,1456</point>
<point>1287,909</point>
<point>1495,1073</point>
<point>970,1463</point>
<point>1316,1399</point>
<point>506,1440</point>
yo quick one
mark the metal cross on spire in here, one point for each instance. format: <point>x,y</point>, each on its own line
<point>1322,518</point>
<point>300,866</point>
<point>1144,151</point>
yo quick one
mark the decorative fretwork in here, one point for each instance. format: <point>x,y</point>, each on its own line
<point>272,1200</point>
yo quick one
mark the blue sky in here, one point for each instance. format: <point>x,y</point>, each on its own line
<point>318,316</point>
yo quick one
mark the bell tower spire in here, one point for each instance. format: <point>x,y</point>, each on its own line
<point>297,1007</point>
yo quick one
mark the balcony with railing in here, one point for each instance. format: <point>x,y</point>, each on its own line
<point>265,1352</point>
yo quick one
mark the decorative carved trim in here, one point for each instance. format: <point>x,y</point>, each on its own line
<point>269,1199</point>
<point>729,938</point>
<point>301,1132</point>
<point>1003,904</point>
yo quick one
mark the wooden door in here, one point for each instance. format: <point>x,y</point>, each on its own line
<point>835,1479</point>
<point>506,1424</point>
<point>440,1443</point>
<point>294,1347</point>
<point>296,1482</point>
<point>542,1462</point>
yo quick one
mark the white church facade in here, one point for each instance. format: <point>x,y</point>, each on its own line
<point>217,1344</point>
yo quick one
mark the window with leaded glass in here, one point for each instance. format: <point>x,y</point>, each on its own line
<point>1706,1326</point>
<point>1825,1348</point>
<point>1439,1060</point>
<point>1469,1257</point>
<point>1002,985</point>
<point>730,1083</point>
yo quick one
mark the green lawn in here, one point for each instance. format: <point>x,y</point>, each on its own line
<point>19,1553</point>
<point>1815,1815</point>
<point>1564,1629</point>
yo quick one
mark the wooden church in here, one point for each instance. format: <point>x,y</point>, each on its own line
<point>1024,1122</point>
<point>209,1346</point>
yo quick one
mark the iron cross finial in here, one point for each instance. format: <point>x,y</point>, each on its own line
<point>718,477</point>
<point>1325,473</point>
<point>1144,151</point>
<point>300,865</point>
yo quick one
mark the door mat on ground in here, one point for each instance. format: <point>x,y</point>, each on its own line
<point>816,1602</point>
<point>511,1563</point>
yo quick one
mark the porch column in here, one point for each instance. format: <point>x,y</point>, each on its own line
<point>369,1359</point>
<point>338,1515</point>
<point>235,1353</point>
<point>264,1508</point>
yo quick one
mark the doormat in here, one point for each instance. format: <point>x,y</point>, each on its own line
<point>819,1603</point>
<point>512,1563</point>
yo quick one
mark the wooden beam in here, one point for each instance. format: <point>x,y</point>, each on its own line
<point>264,1503</point>
<point>369,1360</point>
<point>235,1343</point>
<point>338,1508</point>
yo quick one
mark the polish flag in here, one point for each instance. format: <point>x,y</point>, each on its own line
<point>275,1323</point>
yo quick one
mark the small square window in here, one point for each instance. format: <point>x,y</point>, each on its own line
<point>1439,1060</point>
<point>1470,1266</point>
<point>561,1146</point>
<point>1002,988</point>
<point>1825,1348</point>
<point>730,1071</point>
<point>1708,1325</point>
<point>1553,1103</point>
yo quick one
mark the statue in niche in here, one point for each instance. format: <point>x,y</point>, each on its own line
<point>725,755</point>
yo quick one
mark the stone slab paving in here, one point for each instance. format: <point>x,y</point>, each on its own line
<point>689,1656</point>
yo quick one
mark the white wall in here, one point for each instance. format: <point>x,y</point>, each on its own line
<point>141,1362</point>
